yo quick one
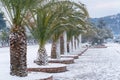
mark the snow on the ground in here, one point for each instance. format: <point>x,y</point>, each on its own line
<point>31,56</point>
<point>31,76</point>
<point>49,65</point>
<point>72,55</point>
<point>95,64</point>
<point>61,59</point>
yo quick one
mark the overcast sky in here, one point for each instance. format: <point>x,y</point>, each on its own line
<point>101,8</point>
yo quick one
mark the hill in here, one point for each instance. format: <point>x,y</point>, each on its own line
<point>2,22</point>
<point>112,22</point>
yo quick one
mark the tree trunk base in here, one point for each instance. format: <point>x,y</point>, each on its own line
<point>42,58</point>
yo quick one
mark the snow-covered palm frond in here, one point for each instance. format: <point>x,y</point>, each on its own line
<point>16,9</point>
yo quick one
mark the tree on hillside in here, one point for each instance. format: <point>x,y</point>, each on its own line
<point>2,21</point>
<point>97,34</point>
<point>101,24</point>
<point>103,32</point>
<point>4,37</point>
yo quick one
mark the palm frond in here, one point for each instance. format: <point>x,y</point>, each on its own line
<point>16,9</point>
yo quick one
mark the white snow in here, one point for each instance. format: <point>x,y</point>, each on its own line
<point>31,76</point>
<point>61,59</point>
<point>95,64</point>
<point>49,65</point>
<point>72,55</point>
<point>5,64</point>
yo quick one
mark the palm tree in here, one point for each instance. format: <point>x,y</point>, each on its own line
<point>41,35</point>
<point>66,20</point>
<point>16,11</point>
<point>48,25</point>
<point>77,19</point>
<point>66,9</point>
<point>45,26</point>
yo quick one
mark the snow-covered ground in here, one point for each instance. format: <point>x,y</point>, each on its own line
<point>95,64</point>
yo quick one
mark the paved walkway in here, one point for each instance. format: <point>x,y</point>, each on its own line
<point>95,64</point>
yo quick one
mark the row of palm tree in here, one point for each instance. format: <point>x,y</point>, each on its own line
<point>47,20</point>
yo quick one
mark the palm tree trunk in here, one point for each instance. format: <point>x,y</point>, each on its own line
<point>61,44</point>
<point>71,45</point>
<point>80,37</point>
<point>68,47</point>
<point>18,49</point>
<point>42,57</point>
<point>65,42</point>
<point>75,43</point>
<point>55,51</point>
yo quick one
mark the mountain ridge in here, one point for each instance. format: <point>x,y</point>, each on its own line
<point>111,21</point>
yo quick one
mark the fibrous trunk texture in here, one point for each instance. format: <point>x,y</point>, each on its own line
<point>61,44</point>
<point>42,57</point>
<point>18,49</point>
<point>53,51</point>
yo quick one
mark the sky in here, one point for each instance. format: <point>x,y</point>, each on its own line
<point>101,8</point>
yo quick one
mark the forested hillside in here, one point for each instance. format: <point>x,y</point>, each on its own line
<point>112,22</point>
<point>2,21</point>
